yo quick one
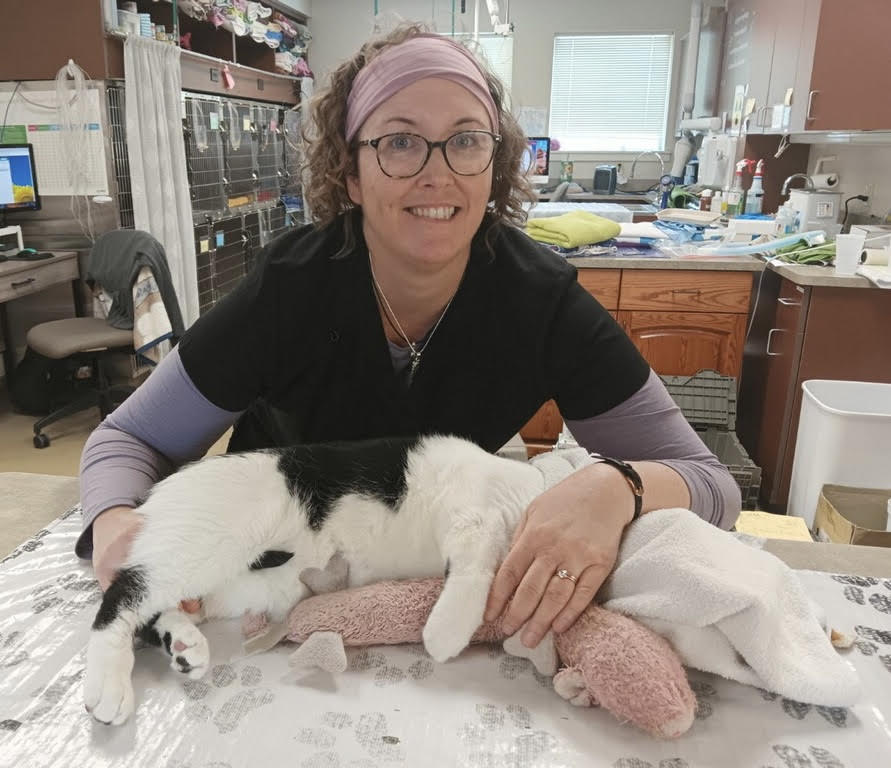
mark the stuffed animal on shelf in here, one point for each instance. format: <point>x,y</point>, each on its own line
<point>606,659</point>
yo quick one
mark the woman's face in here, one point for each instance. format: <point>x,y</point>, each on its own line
<point>429,218</point>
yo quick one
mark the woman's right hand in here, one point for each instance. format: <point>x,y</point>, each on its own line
<point>113,533</point>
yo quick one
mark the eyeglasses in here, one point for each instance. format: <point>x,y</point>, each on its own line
<point>403,155</point>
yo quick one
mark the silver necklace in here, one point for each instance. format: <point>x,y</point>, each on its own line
<point>414,351</point>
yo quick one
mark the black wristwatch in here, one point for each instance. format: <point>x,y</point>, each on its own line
<point>631,476</point>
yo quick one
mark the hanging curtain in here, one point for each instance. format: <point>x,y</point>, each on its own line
<point>157,154</point>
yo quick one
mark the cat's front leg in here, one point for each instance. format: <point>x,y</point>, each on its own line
<point>472,547</point>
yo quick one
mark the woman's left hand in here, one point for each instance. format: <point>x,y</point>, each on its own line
<point>575,526</point>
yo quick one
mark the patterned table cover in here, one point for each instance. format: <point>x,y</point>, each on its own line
<point>393,706</point>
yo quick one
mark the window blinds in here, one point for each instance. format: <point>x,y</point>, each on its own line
<point>609,93</point>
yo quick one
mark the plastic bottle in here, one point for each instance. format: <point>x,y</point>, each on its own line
<point>735,195</point>
<point>717,202</point>
<point>786,220</point>
<point>755,198</point>
<point>705,200</point>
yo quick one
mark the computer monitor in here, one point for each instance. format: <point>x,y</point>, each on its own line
<point>18,179</point>
<point>537,159</point>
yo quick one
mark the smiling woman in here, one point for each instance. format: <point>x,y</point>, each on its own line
<point>413,305</point>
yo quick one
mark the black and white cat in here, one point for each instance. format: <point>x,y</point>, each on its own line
<point>238,531</point>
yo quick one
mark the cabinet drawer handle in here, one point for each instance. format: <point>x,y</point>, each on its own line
<point>810,103</point>
<point>789,302</point>
<point>20,283</point>
<point>689,291</point>
<point>770,334</point>
<point>760,122</point>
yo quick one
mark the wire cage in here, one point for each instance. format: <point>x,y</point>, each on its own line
<point>204,155</point>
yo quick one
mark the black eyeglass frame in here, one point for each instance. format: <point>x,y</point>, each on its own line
<point>431,145</point>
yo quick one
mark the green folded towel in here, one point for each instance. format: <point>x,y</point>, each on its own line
<point>802,253</point>
<point>572,229</point>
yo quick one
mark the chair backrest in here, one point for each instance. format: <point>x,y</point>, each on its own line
<point>115,262</point>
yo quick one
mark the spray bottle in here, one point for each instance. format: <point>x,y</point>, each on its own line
<point>755,198</point>
<point>736,193</point>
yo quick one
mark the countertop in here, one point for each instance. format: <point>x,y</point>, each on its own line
<point>805,275</point>
<point>812,275</point>
<point>717,263</point>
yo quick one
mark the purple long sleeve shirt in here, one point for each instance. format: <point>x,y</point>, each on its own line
<point>143,441</point>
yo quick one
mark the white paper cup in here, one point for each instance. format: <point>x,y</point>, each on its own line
<point>847,253</point>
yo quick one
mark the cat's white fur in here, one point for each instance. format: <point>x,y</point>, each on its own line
<point>203,524</point>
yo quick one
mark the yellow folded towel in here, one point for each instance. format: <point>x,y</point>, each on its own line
<point>572,229</point>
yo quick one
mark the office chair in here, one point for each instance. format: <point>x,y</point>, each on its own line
<point>91,341</point>
<point>87,341</point>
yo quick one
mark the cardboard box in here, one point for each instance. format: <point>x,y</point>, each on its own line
<point>849,515</point>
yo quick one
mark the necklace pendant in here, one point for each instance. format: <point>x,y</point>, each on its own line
<point>415,362</point>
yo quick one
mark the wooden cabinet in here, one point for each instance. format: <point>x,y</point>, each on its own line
<point>801,333</point>
<point>808,64</point>
<point>78,31</point>
<point>682,322</point>
<point>843,67</point>
<point>682,343</point>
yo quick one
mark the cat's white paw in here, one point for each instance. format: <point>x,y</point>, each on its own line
<point>189,651</point>
<point>452,622</point>
<point>108,689</point>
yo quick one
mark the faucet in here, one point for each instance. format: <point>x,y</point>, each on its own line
<point>648,152</point>
<point>808,185</point>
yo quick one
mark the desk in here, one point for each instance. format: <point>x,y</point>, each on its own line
<point>21,278</point>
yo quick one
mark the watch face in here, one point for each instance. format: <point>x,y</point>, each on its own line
<point>666,179</point>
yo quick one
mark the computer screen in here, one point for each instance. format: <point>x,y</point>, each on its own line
<point>537,158</point>
<point>18,179</point>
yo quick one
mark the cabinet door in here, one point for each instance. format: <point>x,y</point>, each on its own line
<point>788,22</point>
<point>851,67</point>
<point>782,353</point>
<point>542,430</point>
<point>682,343</point>
<point>748,48</point>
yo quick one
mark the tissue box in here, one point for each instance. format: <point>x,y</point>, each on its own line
<point>848,515</point>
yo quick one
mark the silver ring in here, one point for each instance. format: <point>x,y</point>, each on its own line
<point>564,574</point>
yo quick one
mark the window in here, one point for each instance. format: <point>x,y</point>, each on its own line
<point>609,93</point>
<point>496,52</point>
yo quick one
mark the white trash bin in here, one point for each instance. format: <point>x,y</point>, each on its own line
<point>844,437</point>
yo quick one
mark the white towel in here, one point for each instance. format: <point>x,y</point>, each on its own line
<point>152,330</point>
<point>558,465</point>
<point>727,608</point>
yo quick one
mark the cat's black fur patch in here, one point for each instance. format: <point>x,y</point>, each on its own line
<point>271,558</point>
<point>148,633</point>
<point>125,592</point>
<point>321,474</point>
<point>167,639</point>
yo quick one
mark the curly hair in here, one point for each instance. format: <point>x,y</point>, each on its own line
<point>330,159</point>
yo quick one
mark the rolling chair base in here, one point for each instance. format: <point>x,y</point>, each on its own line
<point>106,400</point>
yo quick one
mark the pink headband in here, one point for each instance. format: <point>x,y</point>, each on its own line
<point>403,64</point>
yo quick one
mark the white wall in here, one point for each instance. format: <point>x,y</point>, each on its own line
<point>863,170</point>
<point>340,26</point>
<point>303,6</point>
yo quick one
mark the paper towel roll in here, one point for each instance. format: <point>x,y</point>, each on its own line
<point>877,256</point>
<point>825,180</point>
